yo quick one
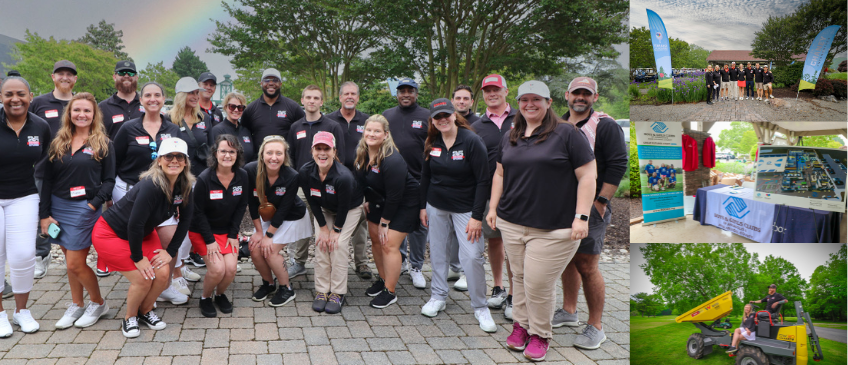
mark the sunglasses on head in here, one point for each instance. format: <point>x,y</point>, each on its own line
<point>170,157</point>
<point>234,107</point>
<point>126,73</point>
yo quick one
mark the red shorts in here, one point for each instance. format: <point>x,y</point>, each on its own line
<point>114,253</point>
<point>199,244</point>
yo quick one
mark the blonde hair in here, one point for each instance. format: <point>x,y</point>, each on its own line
<point>261,169</point>
<point>157,175</point>
<point>386,149</point>
<point>747,306</point>
<point>97,139</point>
<point>177,113</point>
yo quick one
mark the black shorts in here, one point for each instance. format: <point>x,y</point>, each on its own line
<point>594,242</point>
<point>405,220</point>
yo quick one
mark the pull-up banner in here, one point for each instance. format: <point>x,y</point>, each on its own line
<point>816,56</point>
<point>660,151</point>
<point>662,50</point>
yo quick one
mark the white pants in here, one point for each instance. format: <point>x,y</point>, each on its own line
<point>18,219</point>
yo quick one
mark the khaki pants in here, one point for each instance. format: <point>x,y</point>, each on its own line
<point>331,267</point>
<point>299,250</point>
<point>537,258</point>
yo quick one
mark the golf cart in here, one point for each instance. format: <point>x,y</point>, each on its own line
<point>776,342</point>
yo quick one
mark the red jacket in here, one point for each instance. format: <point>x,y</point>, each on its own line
<point>690,153</point>
<point>709,152</point>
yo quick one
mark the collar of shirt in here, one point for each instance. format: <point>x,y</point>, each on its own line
<point>498,119</point>
<point>117,100</point>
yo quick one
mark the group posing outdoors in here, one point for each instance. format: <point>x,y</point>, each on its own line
<point>152,189</point>
<point>661,178</point>
<point>734,83</point>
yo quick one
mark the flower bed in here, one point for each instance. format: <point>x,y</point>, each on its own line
<point>690,88</point>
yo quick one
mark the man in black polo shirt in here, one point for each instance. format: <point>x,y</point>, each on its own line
<point>208,84</point>
<point>758,80</point>
<point>725,83</point>
<point>734,77</point>
<point>607,141</point>
<point>272,113</point>
<point>749,82</point>
<point>408,123</point>
<point>462,99</point>
<point>352,122</point>
<point>772,300</point>
<point>124,105</point>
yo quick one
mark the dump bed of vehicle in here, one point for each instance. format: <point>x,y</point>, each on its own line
<point>718,307</point>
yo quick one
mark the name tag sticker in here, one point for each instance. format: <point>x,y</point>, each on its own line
<point>254,193</point>
<point>51,113</point>
<point>315,192</point>
<point>436,152</point>
<point>77,191</point>
<point>142,140</point>
<point>301,135</point>
<point>117,118</point>
<point>360,128</point>
<point>216,194</point>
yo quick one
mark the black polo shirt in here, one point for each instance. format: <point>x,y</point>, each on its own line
<point>352,133</point>
<point>758,74</point>
<point>770,300</point>
<point>610,151</point>
<point>749,322</point>
<point>267,120</point>
<point>300,139</point>
<point>492,136</point>
<point>218,209</point>
<point>749,74</point>
<point>200,132</point>
<point>20,153</point>
<point>768,77</point>
<point>143,209</point>
<point>409,131</point>
<point>392,181</point>
<point>116,111</point>
<point>50,109</point>
<point>708,77</point>
<point>539,184</point>
<point>215,113</point>
<point>282,194</point>
<point>457,179</point>
<point>734,74</point>
<point>77,176</point>
<point>338,193</point>
<point>717,77</point>
<point>471,117</point>
<point>725,75</point>
<point>241,132</point>
<point>133,149</point>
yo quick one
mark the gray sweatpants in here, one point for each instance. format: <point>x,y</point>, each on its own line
<point>442,224</point>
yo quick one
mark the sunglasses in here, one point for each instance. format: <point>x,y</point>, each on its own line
<point>271,80</point>
<point>441,116</point>
<point>126,73</point>
<point>171,156</point>
<point>234,107</point>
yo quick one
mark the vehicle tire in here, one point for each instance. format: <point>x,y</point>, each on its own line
<point>749,355</point>
<point>695,346</point>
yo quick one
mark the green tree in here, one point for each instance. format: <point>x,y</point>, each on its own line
<point>35,57</point>
<point>635,180</point>
<point>753,152</point>
<point>784,274</point>
<point>105,37</point>
<point>832,141</point>
<point>738,139</point>
<point>697,56</point>
<point>187,64</point>
<point>826,296</point>
<point>774,41</point>
<point>641,50</point>
<point>159,73</point>
<point>815,15</point>
<point>679,53</point>
<point>647,304</point>
<point>612,82</point>
<point>688,274</point>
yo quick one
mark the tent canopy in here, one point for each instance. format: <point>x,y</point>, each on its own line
<point>793,130</point>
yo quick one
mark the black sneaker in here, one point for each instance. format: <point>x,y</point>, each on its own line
<point>207,308</point>
<point>376,288</point>
<point>334,303</point>
<point>223,303</point>
<point>731,350</point>
<point>264,291</point>
<point>152,321</point>
<point>283,296</point>
<point>195,259</point>
<point>383,299</point>
<point>129,327</point>
<point>320,302</point>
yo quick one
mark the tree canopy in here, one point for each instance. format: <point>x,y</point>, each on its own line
<point>187,64</point>
<point>739,138</point>
<point>646,304</point>
<point>826,296</point>
<point>782,36</point>
<point>105,37</point>
<point>832,141</point>
<point>159,73</point>
<point>784,274</point>
<point>683,54</point>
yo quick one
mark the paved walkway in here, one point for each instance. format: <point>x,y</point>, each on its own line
<point>294,334</point>
<point>742,110</point>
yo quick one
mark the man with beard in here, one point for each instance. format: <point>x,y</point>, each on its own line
<point>270,114</point>
<point>408,123</point>
<point>607,140</point>
<point>124,105</point>
<point>208,83</point>
<point>352,122</point>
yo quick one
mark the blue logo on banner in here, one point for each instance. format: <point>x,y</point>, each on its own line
<point>736,207</point>
<point>659,127</point>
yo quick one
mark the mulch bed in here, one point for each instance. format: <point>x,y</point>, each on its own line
<point>618,232</point>
<point>785,92</point>
<point>635,208</point>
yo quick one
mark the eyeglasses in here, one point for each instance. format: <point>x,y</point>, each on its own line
<point>227,152</point>
<point>126,73</point>
<point>171,156</point>
<point>271,80</point>
<point>152,146</point>
<point>441,116</point>
<point>234,107</point>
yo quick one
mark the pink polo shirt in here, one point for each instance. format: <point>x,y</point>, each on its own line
<point>499,119</point>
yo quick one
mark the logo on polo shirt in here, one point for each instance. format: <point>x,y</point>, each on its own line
<point>165,136</point>
<point>237,190</point>
<point>360,128</point>
<point>417,124</point>
<point>88,151</point>
<point>659,127</point>
<point>51,113</point>
<point>201,125</point>
<point>117,118</point>
<point>33,141</point>
<point>736,207</point>
<point>246,139</point>
<point>141,108</point>
<point>280,191</point>
<point>457,155</point>
<point>217,118</point>
<point>301,135</point>
<point>329,189</point>
<point>281,113</point>
<point>178,199</point>
<point>375,169</point>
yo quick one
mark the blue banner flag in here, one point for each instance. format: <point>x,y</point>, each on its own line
<point>816,56</point>
<point>662,50</point>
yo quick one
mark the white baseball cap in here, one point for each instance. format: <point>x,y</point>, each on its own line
<point>172,145</point>
<point>186,85</point>
<point>534,87</point>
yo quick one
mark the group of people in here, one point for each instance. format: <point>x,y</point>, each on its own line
<point>148,189</point>
<point>736,83</point>
<point>664,177</point>
<point>747,329</point>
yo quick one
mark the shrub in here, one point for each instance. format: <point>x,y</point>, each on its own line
<point>633,90</point>
<point>623,190</point>
<point>635,182</point>
<point>840,88</point>
<point>790,74</point>
<point>823,87</point>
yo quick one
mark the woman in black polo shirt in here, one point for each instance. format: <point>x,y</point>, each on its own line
<point>746,329</point>
<point>78,178</point>
<point>234,105</point>
<point>24,140</point>
<point>542,193</point>
<point>336,202</point>
<point>126,239</point>
<point>454,188</point>
<point>391,207</point>
<point>219,203</point>
<point>279,217</point>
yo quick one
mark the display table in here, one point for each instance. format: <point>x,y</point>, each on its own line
<point>735,210</point>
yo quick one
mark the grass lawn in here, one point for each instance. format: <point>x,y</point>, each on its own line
<point>659,340</point>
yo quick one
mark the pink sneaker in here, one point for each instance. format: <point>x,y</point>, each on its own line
<point>537,349</point>
<point>518,339</point>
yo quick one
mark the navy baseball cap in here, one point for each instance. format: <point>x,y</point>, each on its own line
<point>407,82</point>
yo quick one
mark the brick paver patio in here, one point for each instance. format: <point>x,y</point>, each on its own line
<point>293,334</point>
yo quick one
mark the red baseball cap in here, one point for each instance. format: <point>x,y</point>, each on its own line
<point>494,80</point>
<point>326,138</point>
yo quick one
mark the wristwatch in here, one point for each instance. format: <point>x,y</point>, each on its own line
<point>582,217</point>
<point>337,230</point>
<point>269,234</point>
<point>603,200</point>
<point>384,224</point>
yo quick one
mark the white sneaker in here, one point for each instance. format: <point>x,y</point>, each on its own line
<point>92,313</point>
<point>238,268</point>
<point>41,266</point>
<point>172,295</point>
<point>461,284</point>
<point>453,275</point>
<point>72,314</point>
<point>432,308</point>
<point>25,320</point>
<point>771,96</point>
<point>483,316</point>
<point>189,275</point>
<point>5,326</point>
<point>418,279</point>
<point>180,285</point>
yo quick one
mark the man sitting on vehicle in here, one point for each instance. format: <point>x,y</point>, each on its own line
<point>773,299</point>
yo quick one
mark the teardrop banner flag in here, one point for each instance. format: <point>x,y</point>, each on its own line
<point>816,56</point>
<point>662,50</point>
